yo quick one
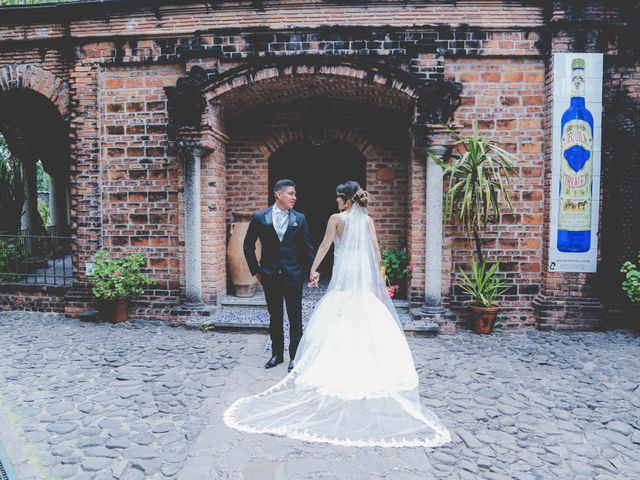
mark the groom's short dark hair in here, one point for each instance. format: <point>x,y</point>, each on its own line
<point>283,183</point>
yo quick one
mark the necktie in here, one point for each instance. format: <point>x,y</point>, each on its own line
<point>282,227</point>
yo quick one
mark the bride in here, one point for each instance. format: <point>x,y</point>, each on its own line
<point>354,382</point>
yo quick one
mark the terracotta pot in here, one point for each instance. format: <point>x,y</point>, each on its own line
<point>116,310</point>
<point>483,318</point>
<point>244,284</point>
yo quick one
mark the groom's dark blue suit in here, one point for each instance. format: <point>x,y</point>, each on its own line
<point>283,268</point>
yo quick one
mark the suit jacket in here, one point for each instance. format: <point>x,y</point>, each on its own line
<point>293,256</point>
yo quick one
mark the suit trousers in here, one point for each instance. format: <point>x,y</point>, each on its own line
<point>275,291</point>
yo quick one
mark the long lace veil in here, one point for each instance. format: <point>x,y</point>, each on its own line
<point>354,382</point>
<point>356,267</point>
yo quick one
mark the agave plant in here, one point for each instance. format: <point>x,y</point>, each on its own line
<point>482,284</point>
<point>478,179</point>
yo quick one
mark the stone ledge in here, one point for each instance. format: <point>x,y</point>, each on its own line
<point>570,314</point>
<point>443,318</point>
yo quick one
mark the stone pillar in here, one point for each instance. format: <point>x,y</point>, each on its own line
<point>433,221</point>
<point>58,205</point>
<point>437,318</point>
<point>192,228</point>
<point>29,218</point>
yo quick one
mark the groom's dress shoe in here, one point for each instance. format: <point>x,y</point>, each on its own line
<point>273,361</point>
<point>291,365</point>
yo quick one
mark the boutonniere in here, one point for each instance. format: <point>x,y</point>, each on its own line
<point>295,224</point>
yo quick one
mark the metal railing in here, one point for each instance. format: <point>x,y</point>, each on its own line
<point>35,259</point>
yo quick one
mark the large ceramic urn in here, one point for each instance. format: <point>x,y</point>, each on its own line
<point>244,284</point>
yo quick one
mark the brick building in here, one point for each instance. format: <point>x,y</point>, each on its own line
<point>164,117</point>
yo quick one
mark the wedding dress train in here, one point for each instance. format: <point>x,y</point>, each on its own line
<point>354,381</point>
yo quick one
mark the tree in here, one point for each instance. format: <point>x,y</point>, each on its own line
<point>478,178</point>
<point>11,189</point>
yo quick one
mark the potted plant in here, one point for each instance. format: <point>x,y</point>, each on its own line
<point>484,287</point>
<point>114,280</point>
<point>396,268</point>
<point>478,172</point>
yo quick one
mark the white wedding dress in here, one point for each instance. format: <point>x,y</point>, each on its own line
<point>354,381</point>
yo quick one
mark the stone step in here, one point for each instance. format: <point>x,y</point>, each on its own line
<point>248,318</point>
<point>258,301</point>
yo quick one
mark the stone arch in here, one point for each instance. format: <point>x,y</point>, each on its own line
<point>269,81</point>
<point>366,70</point>
<point>30,76</point>
<point>205,107</point>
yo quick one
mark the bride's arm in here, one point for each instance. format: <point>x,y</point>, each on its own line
<point>374,238</point>
<point>324,247</point>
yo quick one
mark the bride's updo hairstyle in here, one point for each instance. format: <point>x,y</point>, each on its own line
<point>351,191</point>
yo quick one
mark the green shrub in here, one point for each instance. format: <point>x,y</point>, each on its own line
<point>12,254</point>
<point>113,277</point>
<point>397,263</point>
<point>631,282</point>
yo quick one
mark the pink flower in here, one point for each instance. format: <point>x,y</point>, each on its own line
<point>410,268</point>
<point>98,284</point>
<point>117,273</point>
<point>404,250</point>
<point>396,287</point>
<point>391,292</point>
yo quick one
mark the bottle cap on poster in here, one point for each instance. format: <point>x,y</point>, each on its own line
<point>577,63</point>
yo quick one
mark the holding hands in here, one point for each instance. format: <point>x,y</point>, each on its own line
<point>314,278</point>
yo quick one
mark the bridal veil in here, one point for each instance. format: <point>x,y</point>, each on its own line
<point>354,381</point>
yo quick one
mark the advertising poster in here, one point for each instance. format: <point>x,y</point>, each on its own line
<point>575,181</point>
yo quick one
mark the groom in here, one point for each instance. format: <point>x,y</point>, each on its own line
<point>287,254</point>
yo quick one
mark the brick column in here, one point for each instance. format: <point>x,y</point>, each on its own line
<point>567,301</point>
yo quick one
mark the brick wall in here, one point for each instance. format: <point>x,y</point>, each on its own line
<point>255,138</point>
<point>506,99</point>
<point>21,297</point>
<point>127,185</point>
<point>139,177</point>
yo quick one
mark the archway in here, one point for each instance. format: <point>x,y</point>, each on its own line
<point>241,141</point>
<point>34,207</point>
<point>317,170</point>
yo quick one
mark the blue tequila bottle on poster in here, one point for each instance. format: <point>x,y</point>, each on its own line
<point>576,168</point>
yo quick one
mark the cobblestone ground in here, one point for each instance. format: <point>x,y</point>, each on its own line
<point>145,400</point>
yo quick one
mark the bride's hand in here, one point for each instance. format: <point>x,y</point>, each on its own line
<point>314,278</point>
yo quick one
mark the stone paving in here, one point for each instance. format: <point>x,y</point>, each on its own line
<point>145,400</point>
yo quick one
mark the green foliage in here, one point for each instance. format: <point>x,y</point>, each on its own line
<point>12,254</point>
<point>478,178</point>
<point>631,282</point>
<point>11,189</point>
<point>113,277</point>
<point>483,284</point>
<point>43,210</point>
<point>397,263</point>
<point>42,178</point>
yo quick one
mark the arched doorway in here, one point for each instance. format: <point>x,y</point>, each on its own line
<point>34,190</point>
<point>317,170</point>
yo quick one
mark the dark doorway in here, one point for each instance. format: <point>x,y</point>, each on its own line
<point>316,171</point>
